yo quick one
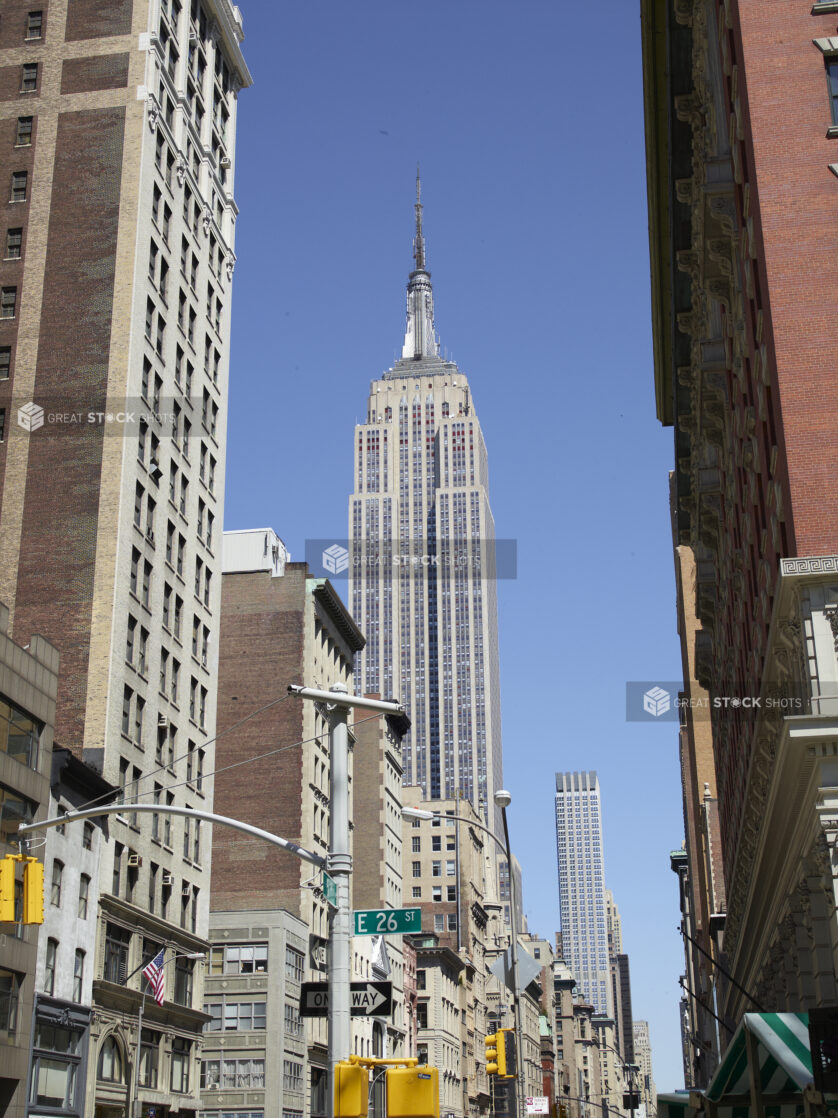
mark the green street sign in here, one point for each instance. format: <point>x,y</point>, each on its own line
<point>387,921</point>
<point>330,890</point>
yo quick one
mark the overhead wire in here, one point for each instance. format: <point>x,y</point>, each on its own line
<point>224,768</point>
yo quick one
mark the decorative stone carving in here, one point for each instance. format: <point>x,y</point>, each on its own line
<point>153,113</point>
<point>207,220</point>
<point>230,264</point>
<point>181,169</point>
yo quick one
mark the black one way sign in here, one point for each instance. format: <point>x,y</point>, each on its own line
<point>368,999</point>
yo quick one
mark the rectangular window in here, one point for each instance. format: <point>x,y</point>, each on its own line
<point>5,361</point>
<point>117,942</point>
<point>417,869</point>
<point>34,25</point>
<point>23,136</point>
<point>78,975</point>
<point>181,1053</point>
<point>14,243</point>
<point>183,981</point>
<point>8,302</point>
<point>149,1058</point>
<point>832,79</point>
<point>294,963</point>
<point>19,734</point>
<point>292,1075</point>
<point>29,78</point>
<point>436,869</point>
<point>49,971</point>
<point>84,896</point>
<point>2,425</point>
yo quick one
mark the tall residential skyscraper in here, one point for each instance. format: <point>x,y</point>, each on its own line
<point>582,908</point>
<point>422,533</point>
<point>118,128</point>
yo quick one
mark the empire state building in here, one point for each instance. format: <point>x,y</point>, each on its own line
<point>422,575</point>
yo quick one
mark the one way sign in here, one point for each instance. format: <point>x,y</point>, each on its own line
<point>368,999</point>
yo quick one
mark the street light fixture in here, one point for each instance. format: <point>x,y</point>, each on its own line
<point>135,1092</point>
<point>631,1069</point>
<point>502,799</point>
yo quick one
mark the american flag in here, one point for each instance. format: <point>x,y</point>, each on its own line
<point>153,971</point>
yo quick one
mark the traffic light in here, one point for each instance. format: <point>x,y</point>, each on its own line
<point>33,892</point>
<point>510,1053</point>
<point>352,1083</point>
<point>7,889</point>
<point>413,1092</point>
<point>495,1053</point>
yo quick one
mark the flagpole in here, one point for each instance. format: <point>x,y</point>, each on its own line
<point>136,1107</point>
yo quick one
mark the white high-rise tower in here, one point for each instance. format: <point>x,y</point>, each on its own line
<point>582,902</point>
<point>422,579</point>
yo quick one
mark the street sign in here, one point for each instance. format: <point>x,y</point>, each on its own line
<point>528,968</point>
<point>387,921</point>
<point>538,1104</point>
<point>367,999</point>
<point>330,890</point>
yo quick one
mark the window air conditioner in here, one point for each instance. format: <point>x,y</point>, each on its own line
<point>134,861</point>
<point>187,890</point>
<point>162,721</point>
<point>167,879</point>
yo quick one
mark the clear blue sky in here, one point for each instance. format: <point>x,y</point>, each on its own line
<point>533,171</point>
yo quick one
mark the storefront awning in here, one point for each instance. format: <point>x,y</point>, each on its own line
<point>768,1062</point>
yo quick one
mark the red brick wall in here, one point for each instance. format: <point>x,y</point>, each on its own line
<point>786,116</point>
<point>260,653</point>
<point>60,520</point>
<point>83,75</point>
<point>96,19</point>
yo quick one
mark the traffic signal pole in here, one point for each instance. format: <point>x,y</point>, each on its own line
<point>337,703</point>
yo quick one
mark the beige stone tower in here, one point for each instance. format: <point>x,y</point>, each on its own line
<point>117,129</point>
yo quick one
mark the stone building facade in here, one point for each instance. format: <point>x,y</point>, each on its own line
<point>117,126</point>
<point>28,688</point>
<point>280,626</point>
<point>739,119</point>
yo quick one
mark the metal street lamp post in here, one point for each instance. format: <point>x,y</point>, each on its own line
<point>502,799</point>
<point>629,1071</point>
<point>338,862</point>
<point>136,1106</point>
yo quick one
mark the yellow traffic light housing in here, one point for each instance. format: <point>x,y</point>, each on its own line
<point>495,1054</point>
<point>33,892</point>
<point>413,1092</point>
<point>352,1083</point>
<point>7,889</point>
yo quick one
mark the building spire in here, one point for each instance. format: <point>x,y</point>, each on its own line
<point>419,240</point>
<point>420,338</point>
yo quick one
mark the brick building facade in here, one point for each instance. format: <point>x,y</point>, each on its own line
<point>740,131</point>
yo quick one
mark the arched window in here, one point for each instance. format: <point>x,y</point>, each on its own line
<point>110,1061</point>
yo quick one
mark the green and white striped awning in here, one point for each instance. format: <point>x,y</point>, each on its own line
<point>779,1044</point>
<point>785,1062</point>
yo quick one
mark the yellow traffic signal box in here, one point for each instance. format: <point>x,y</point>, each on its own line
<point>413,1092</point>
<point>495,1054</point>
<point>7,889</point>
<point>352,1084</point>
<point>33,892</point>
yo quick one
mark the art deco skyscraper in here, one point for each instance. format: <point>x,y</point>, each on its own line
<point>422,535</point>
<point>582,906</point>
<point>117,129</point>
